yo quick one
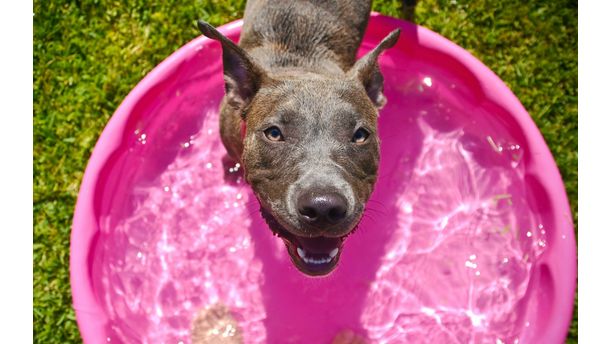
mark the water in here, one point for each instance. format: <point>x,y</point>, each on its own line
<point>444,254</point>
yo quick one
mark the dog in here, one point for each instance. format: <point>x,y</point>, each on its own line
<point>300,115</point>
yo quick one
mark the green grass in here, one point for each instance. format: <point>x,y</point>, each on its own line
<point>89,54</point>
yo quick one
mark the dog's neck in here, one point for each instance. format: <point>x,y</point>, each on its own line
<point>280,61</point>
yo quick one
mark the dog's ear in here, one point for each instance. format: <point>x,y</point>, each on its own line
<point>242,75</point>
<point>367,72</point>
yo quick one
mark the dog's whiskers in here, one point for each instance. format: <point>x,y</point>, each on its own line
<point>373,202</point>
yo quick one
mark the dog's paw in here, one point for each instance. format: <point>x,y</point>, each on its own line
<point>349,337</point>
<point>215,324</point>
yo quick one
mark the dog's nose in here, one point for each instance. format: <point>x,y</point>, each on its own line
<point>322,208</point>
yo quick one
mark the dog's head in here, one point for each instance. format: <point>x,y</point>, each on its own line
<point>311,149</point>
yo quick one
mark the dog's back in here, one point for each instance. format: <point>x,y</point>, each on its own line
<point>314,35</point>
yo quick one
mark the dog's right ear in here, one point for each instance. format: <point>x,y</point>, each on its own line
<point>243,76</point>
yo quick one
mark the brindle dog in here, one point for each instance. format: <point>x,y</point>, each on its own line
<point>300,114</point>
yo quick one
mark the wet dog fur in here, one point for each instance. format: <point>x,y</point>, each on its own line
<point>300,115</point>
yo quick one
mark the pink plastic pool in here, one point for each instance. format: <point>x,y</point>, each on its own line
<point>468,237</point>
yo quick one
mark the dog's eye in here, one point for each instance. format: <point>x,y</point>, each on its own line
<point>360,136</point>
<point>274,134</point>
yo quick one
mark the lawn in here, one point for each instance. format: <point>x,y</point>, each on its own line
<point>89,54</point>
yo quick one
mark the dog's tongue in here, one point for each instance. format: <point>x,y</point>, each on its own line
<point>319,245</point>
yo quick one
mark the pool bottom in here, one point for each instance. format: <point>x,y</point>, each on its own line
<point>444,254</point>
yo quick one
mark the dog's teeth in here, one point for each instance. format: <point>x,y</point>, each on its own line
<point>333,253</point>
<point>309,260</point>
<point>302,254</point>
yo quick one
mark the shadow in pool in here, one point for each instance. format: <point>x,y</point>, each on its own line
<point>304,309</point>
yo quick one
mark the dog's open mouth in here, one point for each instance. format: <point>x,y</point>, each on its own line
<point>315,256</point>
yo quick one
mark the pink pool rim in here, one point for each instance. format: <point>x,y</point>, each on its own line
<point>559,257</point>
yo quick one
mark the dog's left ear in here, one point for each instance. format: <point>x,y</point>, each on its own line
<point>243,76</point>
<point>367,71</point>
